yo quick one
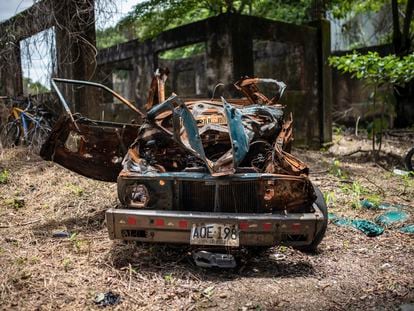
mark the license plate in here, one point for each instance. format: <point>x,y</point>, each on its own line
<point>215,234</point>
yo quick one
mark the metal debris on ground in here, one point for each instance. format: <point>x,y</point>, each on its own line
<point>107,299</point>
<point>60,234</point>
<point>399,172</point>
<point>207,259</point>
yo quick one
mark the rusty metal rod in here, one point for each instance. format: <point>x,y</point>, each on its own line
<point>98,85</point>
<point>65,105</point>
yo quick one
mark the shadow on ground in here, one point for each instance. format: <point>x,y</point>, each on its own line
<point>87,224</point>
<point>165,259</point>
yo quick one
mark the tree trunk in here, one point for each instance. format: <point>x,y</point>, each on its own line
<point>406,42</point>
<point>396,32</point>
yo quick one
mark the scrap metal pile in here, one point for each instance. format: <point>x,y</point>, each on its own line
<point>221,137</point>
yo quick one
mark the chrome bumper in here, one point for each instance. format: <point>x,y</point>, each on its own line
<point>160,226</point>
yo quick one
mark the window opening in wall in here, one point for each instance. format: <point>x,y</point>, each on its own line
<point>38,58</point>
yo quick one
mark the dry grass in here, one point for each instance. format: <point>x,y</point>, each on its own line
<point>351,271</point>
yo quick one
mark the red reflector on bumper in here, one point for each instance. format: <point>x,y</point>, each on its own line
<point>131,220</point>
<point>267,226</point>
<point>159,222</point>
<point>183,223</point>
<point>243,225</point>
<point>296,226</point>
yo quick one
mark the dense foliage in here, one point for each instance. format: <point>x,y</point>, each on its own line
<point>375,69</point>
<point>151,17</point>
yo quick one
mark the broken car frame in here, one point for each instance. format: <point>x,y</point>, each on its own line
<point>202,172</point>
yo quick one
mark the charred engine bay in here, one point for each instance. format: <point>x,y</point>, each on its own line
<point>221,137</point>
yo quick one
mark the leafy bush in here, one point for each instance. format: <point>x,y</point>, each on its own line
<point>377,71</point>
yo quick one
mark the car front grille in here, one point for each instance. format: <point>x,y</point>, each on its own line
<point>240,197</point>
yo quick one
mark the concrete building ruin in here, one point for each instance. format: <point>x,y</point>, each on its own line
<point>234,46</point>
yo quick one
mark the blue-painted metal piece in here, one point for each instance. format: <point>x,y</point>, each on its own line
<point>182,117</point>
<point>239,140</point>
<point>194,139</point>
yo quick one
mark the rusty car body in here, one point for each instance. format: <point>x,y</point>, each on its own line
<point>207,172</point>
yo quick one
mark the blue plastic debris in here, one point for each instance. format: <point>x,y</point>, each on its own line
<point>342,222</point>
<point>368,204</point>
<point>391,206</point>
<point>407,229</point>
<point>365,226</point>
<point>391,217</point>
<point>332,216</point>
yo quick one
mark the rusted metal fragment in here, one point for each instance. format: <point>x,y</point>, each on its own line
<point>91,148</point>
<point>248,86</point>
<point>156,92</point>
<point>96,151</point>
<point>281,161</point>
<point>91,84</point>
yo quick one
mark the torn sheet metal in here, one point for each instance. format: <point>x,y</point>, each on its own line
<point>156,92</point>
<point>220,136</point>
<point>248,86</point>
<point>91,148</point>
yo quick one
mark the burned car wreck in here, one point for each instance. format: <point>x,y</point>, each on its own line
<point>205,172</point>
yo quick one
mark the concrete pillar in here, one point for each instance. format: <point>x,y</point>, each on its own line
<point>325,79</point>
<point>76,54</point>
<point>219,55</point>
<point>229,51</point>
<point>11,81</point>
<point>242,47</point>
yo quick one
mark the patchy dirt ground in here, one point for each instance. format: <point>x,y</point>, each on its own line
<point>351,271</point>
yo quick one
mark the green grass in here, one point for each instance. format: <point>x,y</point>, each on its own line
<point>4,176</point>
